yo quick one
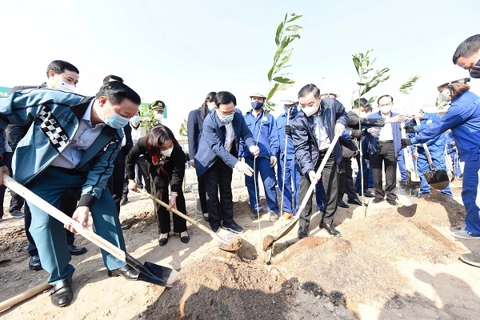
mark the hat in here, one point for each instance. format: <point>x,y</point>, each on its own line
<point>288,102</point>
<point>157,105</point>
<point>328,94</point>
<point>462,80</point>
<point>256,94</point>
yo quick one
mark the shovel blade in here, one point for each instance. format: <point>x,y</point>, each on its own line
<point>408,192</point>
<point>153,273</point>
<point>437,179</point>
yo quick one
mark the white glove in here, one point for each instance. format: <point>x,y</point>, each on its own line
<point>244,168</point>
<point>273,161</point>
<point>339,128</point>
<point>254,150</point>
<point>313,177</point>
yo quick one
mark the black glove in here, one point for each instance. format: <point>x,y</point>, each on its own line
<point>356,133</point>
<point>409,129</point>
<point>406,143</point>
<point>288,130</point>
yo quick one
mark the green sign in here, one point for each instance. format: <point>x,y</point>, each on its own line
<point>4,91</point>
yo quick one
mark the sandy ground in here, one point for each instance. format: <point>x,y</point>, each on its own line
<point>392,263</point>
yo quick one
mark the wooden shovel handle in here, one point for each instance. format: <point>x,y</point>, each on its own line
<point>184,216</point>
<point>62,217</point>
<point>7,304</point>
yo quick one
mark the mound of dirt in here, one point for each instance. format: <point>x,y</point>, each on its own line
<point>214,289</point>
<point>359,266</point>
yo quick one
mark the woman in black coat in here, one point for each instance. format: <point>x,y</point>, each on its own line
<point>166,166</point>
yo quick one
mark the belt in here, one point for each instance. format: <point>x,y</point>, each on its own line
<point>385,141</point>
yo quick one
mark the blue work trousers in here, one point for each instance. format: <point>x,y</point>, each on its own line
<point>291,189</point>
<point>262,165</point>
<point>471,196</point>
<point>49,233</point>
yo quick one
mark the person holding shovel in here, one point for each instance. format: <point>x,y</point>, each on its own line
<point>166,166</point>
<point>313,131</point>
<point>217,156</point>
<point>435,146</point>
<point>71,145</point>
<point>463,118</point>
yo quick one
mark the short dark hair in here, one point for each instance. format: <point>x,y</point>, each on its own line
<point>59,67</point>
<point>112,77</point>
<point>116,91</point>
<point>361,102</point>
<point>225,97</point>
<point>158,136</point>
<point>307,89</point>
<point>384,96</point>
<point>468,47</point>
<point>368,109</point>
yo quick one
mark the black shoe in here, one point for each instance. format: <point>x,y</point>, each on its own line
<point>184,239</point>
<point>76,251</point>
<point>62,293</point>
<point>342,204</point>
<point>235,228</point>
<point>126,271</point>
<point>34,264</point>
<point>392,202</point>
<point>377,200</point>
<point>302,234</point>
<point>330,229</point>
<point>355,201</point>
<point>163,241</point>
<point>368,194</point>
<point>124,226</point>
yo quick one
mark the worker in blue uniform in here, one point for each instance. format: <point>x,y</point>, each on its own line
<point>436,147</point>
<point>286,161</point>
<point>453,154</point>
<point>264,130</point>
<point>463,118</point>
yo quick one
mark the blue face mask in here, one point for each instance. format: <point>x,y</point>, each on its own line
<point>226,119</point>
<point>293,111</point>
<point>135,119</point>
<point>257,105</point>
<point>116,121</point>
<point>475,70</point>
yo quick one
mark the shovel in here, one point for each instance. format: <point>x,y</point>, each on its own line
<point>149,272</point>
<point>408,191</point>
<point>229,242</point>
<point>269,240</point>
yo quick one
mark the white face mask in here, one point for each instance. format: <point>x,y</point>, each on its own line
<point>167,152</point>
<point>445,95</point>
<point>385,109</point>
<point>159,116</point>
<point>65,86</point>
<point>211,105</point>
<point>310,110</point>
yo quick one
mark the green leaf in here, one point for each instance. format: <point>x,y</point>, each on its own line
<point>283,80</point>
<point>278,35</point>
<point>295,17</point>
<point>270,73</point>
<point>272,91</point>
<point>293,28</point>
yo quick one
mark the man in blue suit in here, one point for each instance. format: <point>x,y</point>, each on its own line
<point>312,132</point>
<point>217,156</point>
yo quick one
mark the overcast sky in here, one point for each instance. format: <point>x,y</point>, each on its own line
<point>178,51</point>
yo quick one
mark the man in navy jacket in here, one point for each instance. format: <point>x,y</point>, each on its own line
<point>217,156</point>
<point>312,132</point>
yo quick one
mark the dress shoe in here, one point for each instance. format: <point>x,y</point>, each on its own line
<point>330,229</point>
<point>392,202</point>
<point>185,238</point>
<point>342,204</point>
<point>62,293</point>
<point>302,234</point>
<point>126,271</point>
<point>355,201</point>
<point>76,251</point>
<point>234,227</point>
<point>377,200</point>
<point>162,240</point>
<point>34,263</point>
<point>368,194</point>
